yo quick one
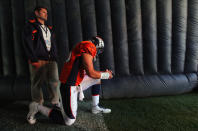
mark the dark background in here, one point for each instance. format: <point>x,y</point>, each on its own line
<point>151,45</point>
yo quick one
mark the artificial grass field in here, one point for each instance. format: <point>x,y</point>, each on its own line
<point>165,113</point>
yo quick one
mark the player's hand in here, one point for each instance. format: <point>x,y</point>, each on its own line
<point>110,73</point>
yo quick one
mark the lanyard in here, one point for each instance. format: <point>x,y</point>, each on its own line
<point>44,29</point>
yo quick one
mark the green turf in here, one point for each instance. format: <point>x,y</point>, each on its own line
<point>167,113</point>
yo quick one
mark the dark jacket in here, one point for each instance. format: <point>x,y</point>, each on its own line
<point>34,43</point>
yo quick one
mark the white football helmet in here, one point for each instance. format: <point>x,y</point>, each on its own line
<point>99,43</point>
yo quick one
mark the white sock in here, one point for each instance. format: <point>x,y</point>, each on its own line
<point>95,100</point>
<point>44,110</point>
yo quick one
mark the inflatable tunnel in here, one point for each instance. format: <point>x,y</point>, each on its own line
<point>151,45</point>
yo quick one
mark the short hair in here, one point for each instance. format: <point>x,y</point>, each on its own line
<point>38,8</point>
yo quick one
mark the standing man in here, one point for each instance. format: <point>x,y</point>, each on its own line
<point>40,48</point>
<point>78,74</point>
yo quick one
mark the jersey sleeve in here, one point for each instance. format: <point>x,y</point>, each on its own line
<point>89,48</point>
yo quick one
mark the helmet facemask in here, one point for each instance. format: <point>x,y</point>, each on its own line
<point>99,43</point>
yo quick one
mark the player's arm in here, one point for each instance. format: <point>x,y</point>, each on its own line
<point>91,72</point>
<point>89,68</point>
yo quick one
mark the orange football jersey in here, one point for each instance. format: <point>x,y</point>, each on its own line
<point>73,70</point>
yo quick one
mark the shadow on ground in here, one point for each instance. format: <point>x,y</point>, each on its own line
<point>13,118</point>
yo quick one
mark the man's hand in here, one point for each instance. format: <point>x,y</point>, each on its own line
<point>110,73</point>
<point>39,64</point>
<point>36,64</point>
<point>43,62</point>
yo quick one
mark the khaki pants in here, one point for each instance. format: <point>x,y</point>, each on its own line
<point>47,73</point>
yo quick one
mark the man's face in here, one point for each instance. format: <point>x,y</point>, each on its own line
<point>42,14</point>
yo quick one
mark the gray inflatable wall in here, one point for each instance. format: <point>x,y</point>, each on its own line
<point>151,45</point>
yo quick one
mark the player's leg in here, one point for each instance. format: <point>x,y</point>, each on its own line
<point>66,114</point>
<point>69,102</point>
<point>95,89</point>
<point>53,113</point>
<point>68,108</point>
<point>95,85</point>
